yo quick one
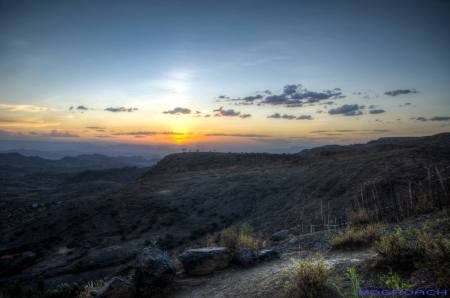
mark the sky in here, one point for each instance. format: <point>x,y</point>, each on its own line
<point>223,75</point>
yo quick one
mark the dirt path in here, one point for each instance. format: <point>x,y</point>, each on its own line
<point>264,280</point>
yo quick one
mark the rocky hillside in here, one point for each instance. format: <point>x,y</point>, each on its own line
<point>188,195</point>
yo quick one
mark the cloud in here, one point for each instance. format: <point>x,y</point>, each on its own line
<point>82,108</point>
<point>237,135</point>
<point>25,122</point>
<point>400,92</point>
<point>440,118</point>
<point>146,133</point>
<point>377,111</point>
<point>120,109</point>
<point>25,108</point>
<point>304,117</point>
<point>293,95</point>
<point>290,117</point>
<point>56,134</point>
<point>178,111</point>
<point>367,94</point>
<point>347,110</point>
<point>435,118</point>
<point>230,113</point>
<point>95,127</point>
<point>342,131</point>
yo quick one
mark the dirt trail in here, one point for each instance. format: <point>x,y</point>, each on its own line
<point>264,280</point>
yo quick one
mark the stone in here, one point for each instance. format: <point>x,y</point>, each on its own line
<point>268,254</point>
<point>244,258</point>
<point>280,235</point>
<point>202,261</point>
<point>154,268</point>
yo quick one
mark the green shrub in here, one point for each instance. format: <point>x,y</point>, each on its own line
<point>402,247</point>
<point>352,237</point>
<point>308,279</point>
<point>437,261</point>
<point>356,283</point>
<point>393,282</point>
<point>418,249</point>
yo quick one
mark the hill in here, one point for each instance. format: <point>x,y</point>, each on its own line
<point>188,195</point>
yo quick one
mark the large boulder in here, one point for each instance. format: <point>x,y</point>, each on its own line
<point>201,261</point>
<point>280,235</point>
<point>154,268</point>
<point>268,254</point>
<point>115,288</point>
<point>244,257</point>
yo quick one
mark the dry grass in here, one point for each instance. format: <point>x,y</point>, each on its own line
<point>87,288</point>
<point>237,237</point>
<point>359,217</point>
<point>308,279</point>
<point>352,237</point>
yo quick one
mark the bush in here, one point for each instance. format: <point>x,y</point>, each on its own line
<point>236,238</point>
<point>308,279</point>
<point>393,282</point>
<point>402,247</point>
<point>418,249</point>
<point>352,237</point>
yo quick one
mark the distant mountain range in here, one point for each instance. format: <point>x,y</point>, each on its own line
<point>19,162</point>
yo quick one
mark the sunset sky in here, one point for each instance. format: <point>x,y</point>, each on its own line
<point>263,74</point>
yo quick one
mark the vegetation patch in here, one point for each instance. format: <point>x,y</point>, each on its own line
<point>236,238</point>
<point>353,237</point>
<point>308,279</point>
<point>419,250</point>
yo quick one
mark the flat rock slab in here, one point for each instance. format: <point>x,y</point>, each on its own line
<point>202,261</point>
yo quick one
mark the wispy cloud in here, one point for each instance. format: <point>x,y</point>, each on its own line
<point>25,108</point>
<point>120,109</point>
<point>400,92</point>
<point>435,118</point>
<point>229,113</point>
<point>347,110</point>
<point>146,133</point>
<point>290,117</point>
<point>238,135</point>
<point>377,111</point>
<point>178,111</point>
<point>293,95</point>
<point>56,134</point>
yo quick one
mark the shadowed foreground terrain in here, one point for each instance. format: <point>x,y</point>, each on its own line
<point>92,224</point>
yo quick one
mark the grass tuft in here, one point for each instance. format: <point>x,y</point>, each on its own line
<point>353,237</point>
<point>308,279</point>
<point>237,237</point>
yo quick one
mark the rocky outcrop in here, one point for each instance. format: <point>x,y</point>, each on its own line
<point>154,268</point>
<point>244,258</point>
<point>280,235</point>
<point>201,261</point>
<point>268,254</point>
